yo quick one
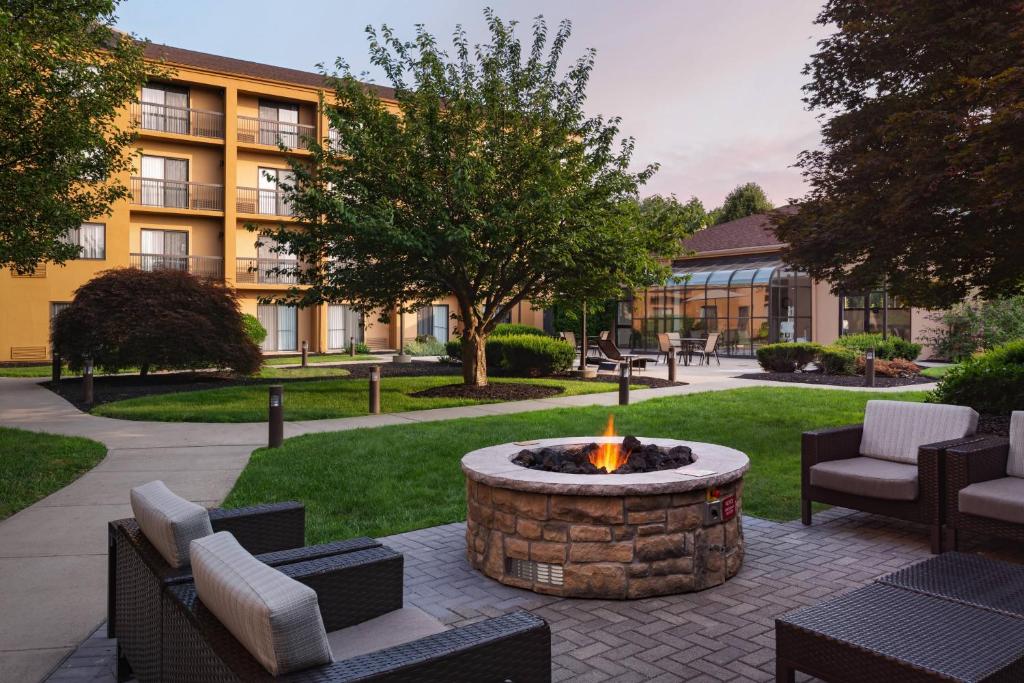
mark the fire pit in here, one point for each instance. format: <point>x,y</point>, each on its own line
<point>635,534</point>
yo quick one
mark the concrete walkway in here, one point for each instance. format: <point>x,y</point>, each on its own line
<point>53,553</point>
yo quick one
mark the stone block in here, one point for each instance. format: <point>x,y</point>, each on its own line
<point>650,529</point>
<point>647,502</point>
<point>600,579</point>
<point>597,509</point>
<point>734,561</point>
<point>623,533</point>
<point>685,518</point>
<point>651,548</point>
<point>638,569</point>
<point>532,505</point>
<point>529,528</point>
<point>484,516</point>
<point>659,585</point>
<point>584,532</point>
<point>517,548</point>
<point>601,552</point>
<point>494,557</point>
<point>675,565</point>
<point>555,532</point>
<point>542,551</point>
<point>689,498</point>
<point>645,516</point>
<point>732,532</point>
<point>505,521</point>
<point>483,494</point>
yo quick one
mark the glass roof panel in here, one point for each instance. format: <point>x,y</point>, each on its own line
<point>743,277</point>
<point>763,275</point>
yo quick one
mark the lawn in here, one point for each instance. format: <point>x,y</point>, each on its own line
<point>387,480</point>
<point>310,400</point>
<point>314,358</point>
<point>31,371</point>
<point>34,465</point>
<point>270,372</point>
<point>936,372</point>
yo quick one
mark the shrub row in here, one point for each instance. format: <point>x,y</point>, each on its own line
<point>509,329</point>
<point>787,356</point>
<point>992,382</point>
<point>886,348</point>
<point>526,355</point>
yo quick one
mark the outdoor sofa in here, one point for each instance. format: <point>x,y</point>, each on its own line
<point>984,487</point>
<point>889,465</point>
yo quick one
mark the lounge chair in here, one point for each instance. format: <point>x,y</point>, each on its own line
<point>889,465</point>
<point>615,358</point>
<point>984,487</point>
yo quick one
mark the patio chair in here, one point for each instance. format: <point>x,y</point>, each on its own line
<point>665,346</point>
<point>571,338</point>
<point>335,619</point>
<point>615,358</point>
<point>889,465</point>
<point>710,349</point>
<point>139,568</point>
<point>984,487</point>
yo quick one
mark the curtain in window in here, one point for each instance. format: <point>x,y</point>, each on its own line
<point>287,328</point>
<point>439,329</point>
<point>176,182</point>
<point>267,315</point>
<point>268,190</point>
<point>91,237</point>
<point>152,171</point>
<point>165,108</point>
<point>342,323</point>
<point>424,321</point>
<point>278,123</point>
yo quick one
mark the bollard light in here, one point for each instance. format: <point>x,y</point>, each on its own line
<point>275,415</point>
<point>375,390</point>
<point>624,376</point>
<point>87,395</point>
<point>869,368</point>
<point>671,364</point>
<point>55,368</point>
<point>305,352</point>
<point>352,346</point>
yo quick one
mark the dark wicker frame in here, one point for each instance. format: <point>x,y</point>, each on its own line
<point>350,589</point>
<point>844,442</point>
<point>137,573</point>
<point>970,464</point>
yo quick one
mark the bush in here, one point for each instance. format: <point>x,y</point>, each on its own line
<point>897,367</point>
<point>164,319</point>
<point>886,348</point>
<point>974,326</point>
<point>453,348</point>
<point>508,329</point>
<point>424,345</point>
<point>787,356</point>
<point>529,355</point>
<point>837,360</point>
<point>362,348</point>
<point>254,329</point>
<point>990,383</point>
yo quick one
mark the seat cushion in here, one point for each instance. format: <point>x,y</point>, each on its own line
<point>276,618</point>
<point>1015,463</point>
<point>895,430</point>
<point>169,521</point>
<point>388,630</point>
<point>869,477</point>
<point>1001,499</point>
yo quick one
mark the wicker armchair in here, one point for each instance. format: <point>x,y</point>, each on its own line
<point>351,589</point>
<point>981,468</point>
<point>901,490</point>
<point>137,573</point>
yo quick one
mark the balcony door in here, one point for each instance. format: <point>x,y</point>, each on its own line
<point>282,326</point>
<point>164,181</point>
<point>164,249</point>
<point>342,324</point>
<point>272,200</point>
<point>279,123</point>
<point>432,321</point>
<point>165,108</point>
<point>270,258</point>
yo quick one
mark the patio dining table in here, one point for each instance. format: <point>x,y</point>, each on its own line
<point>688,346</point>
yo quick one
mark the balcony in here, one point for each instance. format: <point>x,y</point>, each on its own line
<point>179,120</point>
<point>267,202</point>
<point>177,194</point>
<point>263,271</point>
<point>259,131</point>
<point>206,267</point>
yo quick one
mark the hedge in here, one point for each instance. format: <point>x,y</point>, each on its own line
<point>509,329</point>
<point>837,360</point>
<point>787,356</point>
<point>990,383</point>
<point>526,355</point>
<point>886,348</point>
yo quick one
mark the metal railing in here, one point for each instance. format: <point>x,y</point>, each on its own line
<point>271,132</point>
<point>180,120</point>
<point>262,201</point>
<point>209,267</point>
<point>177,194</point>
<point>263,271</point>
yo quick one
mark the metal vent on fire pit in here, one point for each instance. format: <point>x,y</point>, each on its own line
<point>541,572</point>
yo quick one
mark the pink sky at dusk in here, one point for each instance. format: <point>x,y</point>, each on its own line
<point>710,89</point>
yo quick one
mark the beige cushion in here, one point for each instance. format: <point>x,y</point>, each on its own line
<point>169,521</point>
<point>894,430</point>
<point>388,630</point>
<point>869,477</point>
<point>276,618</point>
<point>1015,463</point>
<point>997,498</point>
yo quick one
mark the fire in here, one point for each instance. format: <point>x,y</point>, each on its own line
<point>609,455</point>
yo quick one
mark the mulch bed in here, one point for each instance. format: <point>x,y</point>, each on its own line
<point>491,392</point>
<point>835,380</point>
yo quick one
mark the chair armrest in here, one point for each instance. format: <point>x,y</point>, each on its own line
<point>512,647</point>
<point>931,473</point>
<point>263,528</point>
<point>977,461</point>
<point>836,443</point>
<point>353,587</point>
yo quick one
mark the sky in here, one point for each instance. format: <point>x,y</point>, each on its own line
<point>710,90</point>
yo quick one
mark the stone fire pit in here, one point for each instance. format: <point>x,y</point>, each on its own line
<point>605,535</point>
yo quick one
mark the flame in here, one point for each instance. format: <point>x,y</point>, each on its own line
<point>609,455</point>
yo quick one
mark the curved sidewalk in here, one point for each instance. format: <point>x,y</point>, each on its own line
<point>53,553</point>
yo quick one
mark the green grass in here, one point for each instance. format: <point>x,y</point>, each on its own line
<point>309,400</point>
<point>267,372</point>
<point>326,358</point>
<point>393,479</point>
<point>937,372</point>
<point>34,465</point>
<point>26,370</point>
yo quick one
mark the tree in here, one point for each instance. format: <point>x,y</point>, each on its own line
<point>164,319</point>
<point>66,76</point>
<point>744,200</point>
<point>489,183</point>
<point>919,184</point>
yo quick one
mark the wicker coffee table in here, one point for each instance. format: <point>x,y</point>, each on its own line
<point>951,618</point>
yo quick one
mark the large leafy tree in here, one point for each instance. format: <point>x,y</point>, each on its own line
<point>489,183</point>
<point>744,200</point>
<point>920,180</point>
<point>66,75</point>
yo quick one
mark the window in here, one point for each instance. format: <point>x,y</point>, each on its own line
<point>272,200</point>
<point>343,323</point>
<point>164,181</point>
<point>279,123</point>
<point>282,325</point>
<point>55,308</point>
<point>164,249</point>
<point>165,108</point>
<point>91,237</point>
<point>433,321</point>
<point>875,311</point>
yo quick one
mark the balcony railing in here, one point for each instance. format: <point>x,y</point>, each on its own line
<point>271,132</point>
<point>263,271</point>
<point>208,267</point>
<point>177,194</point>
<point>180,120</point>
<point>263,201</point>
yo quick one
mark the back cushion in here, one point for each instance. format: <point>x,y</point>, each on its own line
<point>894,430</point>
<point>169,521</point>
<point>276,618</point>
<point>1015,463</point>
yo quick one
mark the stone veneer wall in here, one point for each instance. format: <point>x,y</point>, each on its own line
<point>609,546</point>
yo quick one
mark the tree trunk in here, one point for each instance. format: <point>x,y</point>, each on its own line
<point>144,370</point>
<point>474,361</point>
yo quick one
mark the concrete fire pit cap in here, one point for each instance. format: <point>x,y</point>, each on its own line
<point>713,465</point>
